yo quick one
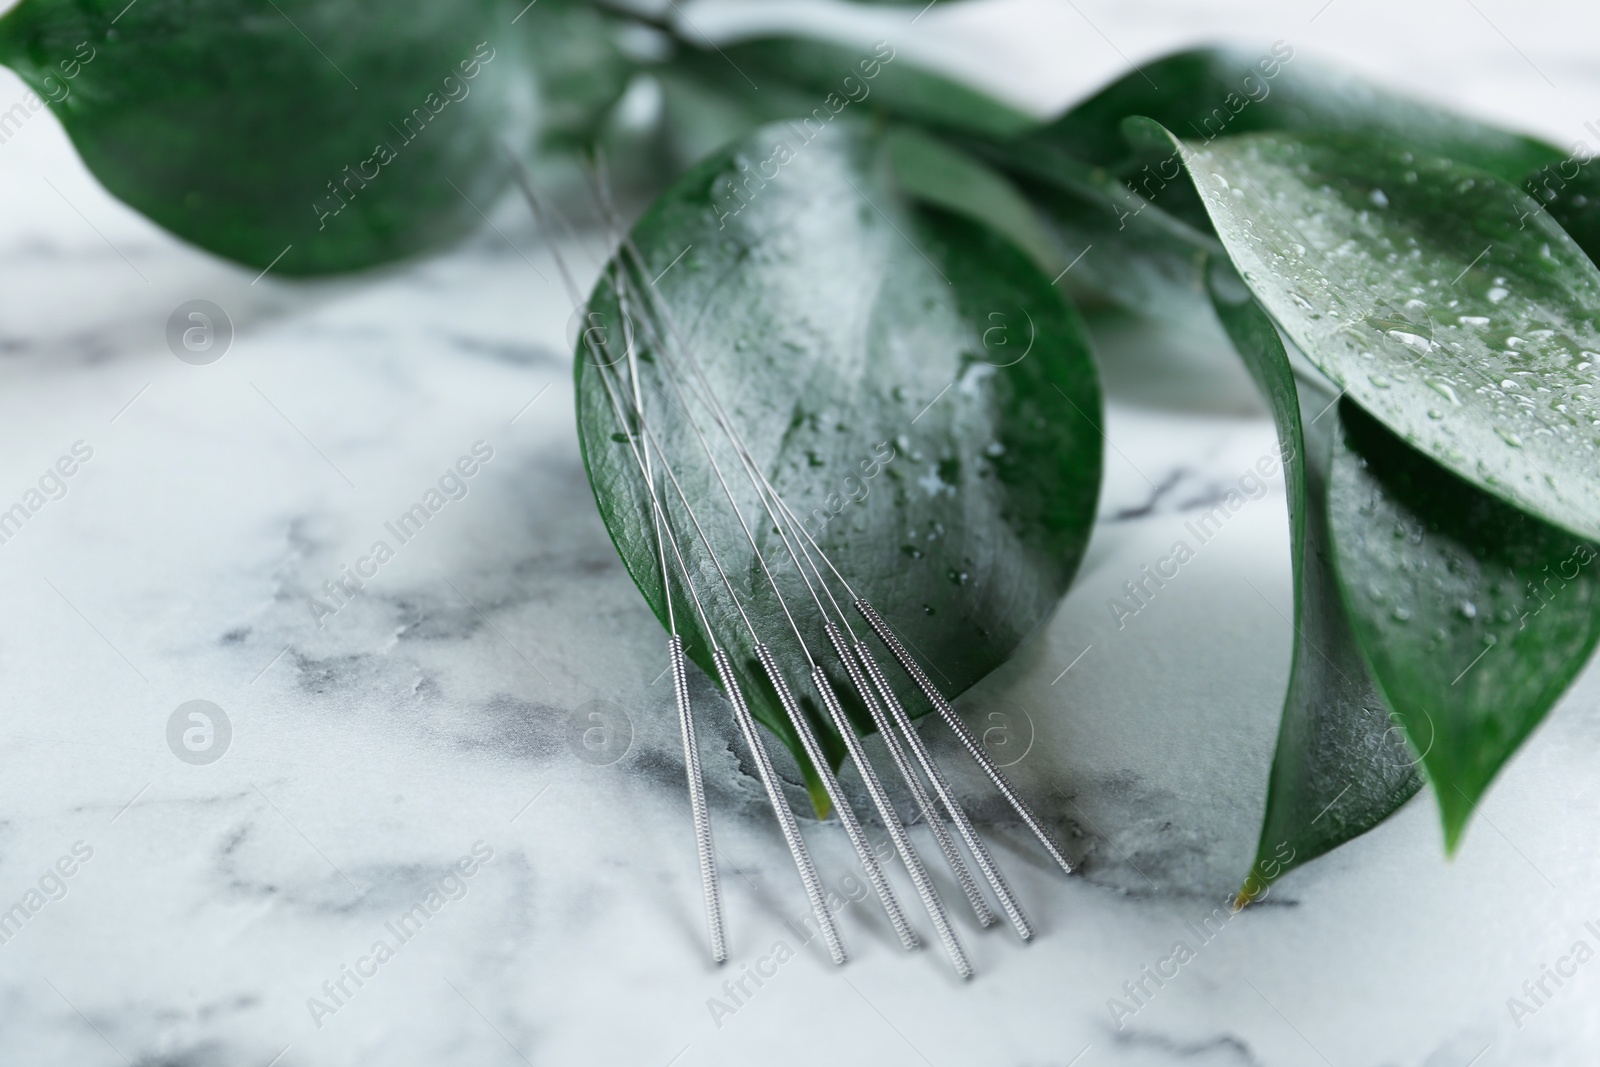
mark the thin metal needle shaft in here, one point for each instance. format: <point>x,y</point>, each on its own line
<point>724,665</point>
<point>704,850</point>
<point>959,728</point>
<point>847,817</point>
<point>886,812</point>
<point>697,806</point>
<point>780,806</point>
<point>925,803</point>
<point>935,824</point>
<point>710,888</point>
<point>952,857</point>
<point>975,845</point>
<point>863,688</point>
<point>764,488</point>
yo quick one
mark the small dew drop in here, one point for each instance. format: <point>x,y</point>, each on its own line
<point>1444,389</point>
<point>1411,340</point>
<point>1378,198</point>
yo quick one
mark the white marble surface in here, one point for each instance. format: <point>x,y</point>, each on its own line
<point>370,754</point>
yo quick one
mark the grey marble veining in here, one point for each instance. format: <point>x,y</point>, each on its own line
<point>215,912</point>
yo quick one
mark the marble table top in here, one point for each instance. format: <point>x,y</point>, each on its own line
<point>419,741</point>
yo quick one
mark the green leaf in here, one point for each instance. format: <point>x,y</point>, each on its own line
<point>697,118</point>
<point>1341,765</point>
<point>906,378</point>
<point>1473,616</point>
<point>1118,246</point>
<point>938,173</point>
<point>1207,93</point>
<point>581,67</point>
<point>706,104</point>
<point>835,79</point>
<point>1441,299</point>
<point>1572,199</point>
<point>326,132</point>
<point>1149,236</point>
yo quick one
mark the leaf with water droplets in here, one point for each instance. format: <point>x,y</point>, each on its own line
<point>1117,246</point>
<point>576,48</point>
<point>1150,235</point>
<point>822,78</point>
<point>1341,765</point>
<point>1208,93</point>
<point>306,135</point>
<point>1473,616</point>
<point>906,378</point>
<point>1461,285</point>
<point>1572,199</point>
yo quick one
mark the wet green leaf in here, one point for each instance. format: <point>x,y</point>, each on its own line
<point>938,173</point>
<point>581,67</point>
<point>1570,191</point>
<point>907,379</point>
<point>1207,93</point>
<point>707,105</point>
<point>1341,765</point>
<point>825,79</point>
<point>1474,616</point>
<point>1123,197</point>
<point>309,135</point>
<point>1120,247</point>
<point>1441,299</point>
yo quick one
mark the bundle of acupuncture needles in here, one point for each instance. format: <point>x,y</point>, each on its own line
<point>680,386</point>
